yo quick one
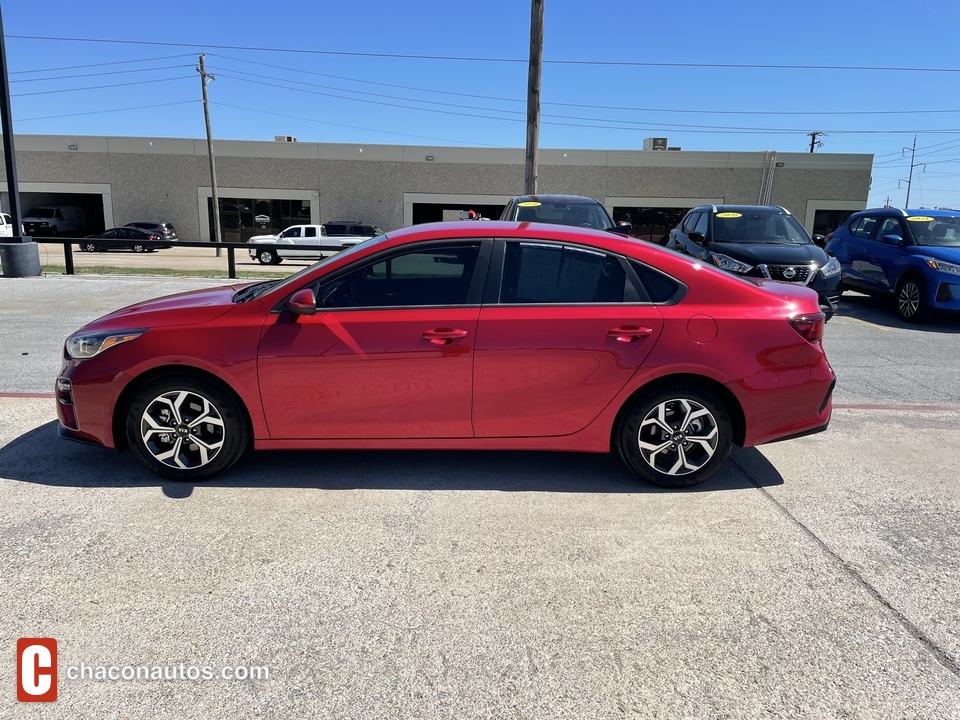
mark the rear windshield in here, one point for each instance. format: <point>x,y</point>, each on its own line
<point>42,212</point>
<point>758,227</point>
<point>581,214</point>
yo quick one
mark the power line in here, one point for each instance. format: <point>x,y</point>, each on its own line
<point>402,56</point>
<point>633,125</point>
<point>111,72</point>
<point>152,106</point>
<point>103,64</point>
<point>465,143</point>
<point>574,105</point>
<point>99,87</point>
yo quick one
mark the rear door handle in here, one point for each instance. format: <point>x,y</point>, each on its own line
<point>629,333</point>
<point>443,336</point>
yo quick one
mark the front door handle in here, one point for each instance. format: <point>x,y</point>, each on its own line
<point>629,333</point>
<point>443,336</point>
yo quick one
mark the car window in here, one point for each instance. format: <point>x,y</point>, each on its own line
<point>863,227</point>
<point>542,273</point>
<point>701,226</point>
<point>292,232</point>
<point>336,229</point>
<point>309,232</point>
<point>690,222</point>
<point>438,275</point>
<point>659,287</point>
<point>890,226</point>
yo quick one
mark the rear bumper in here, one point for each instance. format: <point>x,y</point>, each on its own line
<point>782,411</point>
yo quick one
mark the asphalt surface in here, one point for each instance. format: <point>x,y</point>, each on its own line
<point>816,578</point>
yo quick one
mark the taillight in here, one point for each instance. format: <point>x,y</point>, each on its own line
<point>809,326</point>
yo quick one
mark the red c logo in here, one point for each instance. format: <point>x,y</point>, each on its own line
<point>36,669</point>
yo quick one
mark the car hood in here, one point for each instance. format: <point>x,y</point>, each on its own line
<point>264,238</point>
<point>947,254</point>
<point>188,308</point>
<point>756,253</point>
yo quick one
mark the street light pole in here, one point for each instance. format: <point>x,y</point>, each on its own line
<point>19,256</point>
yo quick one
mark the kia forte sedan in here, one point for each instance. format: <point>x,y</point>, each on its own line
<point>496,335</point>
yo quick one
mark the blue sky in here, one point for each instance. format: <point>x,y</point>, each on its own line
<point>605,85</point>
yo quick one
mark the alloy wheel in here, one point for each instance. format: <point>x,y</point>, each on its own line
<point>678,437</point>
<point>182,429</point>
<point>908,300</point>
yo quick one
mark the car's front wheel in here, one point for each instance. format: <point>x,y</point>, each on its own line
<point>186,429</point>
<point>676,438</point>
<point>911,304</point>
<point>89,247</point>
<point>268,257</point>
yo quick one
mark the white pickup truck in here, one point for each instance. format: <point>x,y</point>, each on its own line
<point>306,242</point>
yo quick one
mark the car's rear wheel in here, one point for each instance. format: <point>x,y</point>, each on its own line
<point>677,437</point>
<point>911,304</point>
<point>89,247</point>
<point>268,257</point>
<point>186,429</point>
<point>139,248</point>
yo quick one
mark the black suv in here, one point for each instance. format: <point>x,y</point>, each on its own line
<point>574,210</point>
<point>759,241</point>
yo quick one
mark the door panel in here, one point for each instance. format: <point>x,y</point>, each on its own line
<point>368,373</point>
<point>542,371</point>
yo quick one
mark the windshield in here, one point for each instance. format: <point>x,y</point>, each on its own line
<point>294,279</point>
<point>935,231</point>
<point>41,213</point>
<point>758,227</point>
<point>581,214</point>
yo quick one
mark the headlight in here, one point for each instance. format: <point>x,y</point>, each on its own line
<point>725,262</point>
<point>81,347</point>
<point>831,268</point>
<point>944,266</point>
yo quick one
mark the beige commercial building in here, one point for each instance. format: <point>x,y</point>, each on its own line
<point>265,186</point>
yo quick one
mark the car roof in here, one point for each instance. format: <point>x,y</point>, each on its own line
<point>568,199</point>
<point>769,209</point>
<point>911,212</point>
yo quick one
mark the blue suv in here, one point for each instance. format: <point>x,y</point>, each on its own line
<point>911,255</point>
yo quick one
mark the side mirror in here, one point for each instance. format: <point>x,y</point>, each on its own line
<point>621,228</point>
<point>303,302</point>
<point>819,240</point>
<point>695,237</point>
<point>893,240</point>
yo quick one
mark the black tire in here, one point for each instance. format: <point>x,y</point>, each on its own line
<point>139,248</point>
<point>88,247</point>
<point>268,257</point>
<point>910,299</point>
<point>679,461</point>
<point>178,404</point>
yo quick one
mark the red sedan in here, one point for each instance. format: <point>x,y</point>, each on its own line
<point>488,335</point>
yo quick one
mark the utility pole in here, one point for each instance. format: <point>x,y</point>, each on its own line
<point>533,97</point>
<point>913,155</point>
<point>814,143</point>
<point>205,78</point>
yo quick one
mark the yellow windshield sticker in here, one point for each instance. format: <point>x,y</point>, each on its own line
<point>529,203</point>
<point>729,215</point>
<point>919,218</point>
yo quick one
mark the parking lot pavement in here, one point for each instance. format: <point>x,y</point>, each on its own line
<point>816,578</point>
